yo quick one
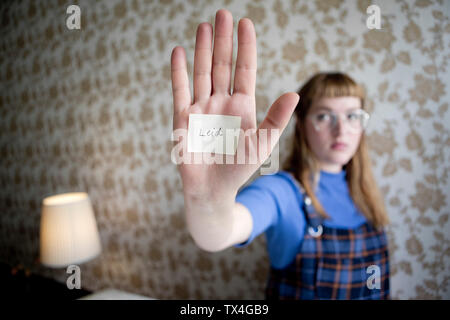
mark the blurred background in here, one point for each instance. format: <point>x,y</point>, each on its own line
<point>90,110</point>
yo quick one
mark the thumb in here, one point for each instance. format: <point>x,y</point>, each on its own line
<point>278,117</point>
<point>275,122</point>
<point>280,112</point>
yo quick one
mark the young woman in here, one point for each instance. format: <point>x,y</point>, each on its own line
<point>323,215</point>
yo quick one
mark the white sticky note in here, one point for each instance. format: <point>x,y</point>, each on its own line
<point>213,133</point>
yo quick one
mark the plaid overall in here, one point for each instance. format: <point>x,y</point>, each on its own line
<point>334,263</point>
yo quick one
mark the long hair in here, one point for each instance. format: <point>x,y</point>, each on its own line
<point>303,164</point>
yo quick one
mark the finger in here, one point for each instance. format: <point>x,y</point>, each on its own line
<point>278,117</point>
<point>245,73</point>
<point>180,81</point>
<point>223,52</point>
<point>202,62</point>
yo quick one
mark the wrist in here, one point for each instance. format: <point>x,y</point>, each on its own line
<point>210,202</point>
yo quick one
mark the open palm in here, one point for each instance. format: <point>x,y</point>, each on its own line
<point>213,95</point>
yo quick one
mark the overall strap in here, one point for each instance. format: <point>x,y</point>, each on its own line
<point>313,219</point>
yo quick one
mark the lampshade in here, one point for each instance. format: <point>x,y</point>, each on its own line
<point>69,233</point>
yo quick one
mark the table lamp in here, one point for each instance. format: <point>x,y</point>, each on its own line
<point>69,233</point>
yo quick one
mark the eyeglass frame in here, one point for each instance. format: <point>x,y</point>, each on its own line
<point>364,113</point>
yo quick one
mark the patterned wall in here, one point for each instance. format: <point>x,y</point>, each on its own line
<point>90,110</point>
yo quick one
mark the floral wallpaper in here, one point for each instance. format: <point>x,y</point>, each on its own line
<point>90,109</point>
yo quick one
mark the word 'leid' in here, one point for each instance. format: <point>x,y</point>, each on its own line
<point>213,133</point>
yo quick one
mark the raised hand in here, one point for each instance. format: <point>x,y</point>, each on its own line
<point>213,95</point>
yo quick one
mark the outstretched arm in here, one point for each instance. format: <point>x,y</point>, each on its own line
<point>214,219</point>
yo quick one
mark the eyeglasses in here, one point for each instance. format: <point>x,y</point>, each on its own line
<point>356,120</point>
